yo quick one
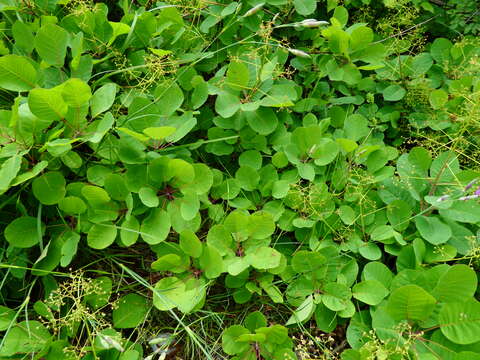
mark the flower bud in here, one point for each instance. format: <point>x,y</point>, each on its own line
<point>299,53</point>
<point>312,23</point>
<point>254,10</point>
<point>470,184</point>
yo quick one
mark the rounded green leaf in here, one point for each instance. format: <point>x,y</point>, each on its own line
<point>457,284</point>
<point>255,320</point>
<point>76,92</point>
<point>159,133</point>
<point>103,99</point>
<point>226,104</point>
<point>130,311</point>
<point>168,293</point>
<point>261,225</point>
<point>49,188</point>
<point>23,232</point>
<point>7,316</point>
<point>438,98</point>
<point>155,227</point>
<point>305,7</point>
<point>51,44</point>
<point>237,75</point>
<point>47,104</point>
<point>433,229</point>
<point>190,243</point>
<point>263,120</point>
<point>17,73</point>
<point>371,292</point>
<point>169,97</point>
<point>303,313</point>
<point>325,151</point>
<point>265,258</point>
<point>460,321</point>
<point>251,158</point>
<point>410,302</point>
<point>129,231</point>
<point>394,93</point>
<point>25,337</point>
<point>101,236</point>
<point>72,205</point>
<point>375,270</point>
<point>229,340</point>
<point>116,187</point>
<point>148,197</point>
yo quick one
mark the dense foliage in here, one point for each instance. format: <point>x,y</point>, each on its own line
<point>239,180</point>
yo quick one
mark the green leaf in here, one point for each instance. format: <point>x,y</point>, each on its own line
<point>394,93</point>
<point>440,50</point>
<point>101,236</point>
<point>305,7</point>
<point>263,120</point>
<point>303,313</point>
<point>265,258</point>
<point>308,262</point>
<point>116,187</point>
<point>23,232</point>
<point>336,296</point>
<point>325,151</point>
<point>230,343</point>
<point>360,38</point>
<point>17,73</point>
<point>226,104</point>
<point>159,133</point>
<point>375,270</point>
<point>456,285</point>
<point>171,292</point>
<point>237,75</point>
<point>211,262</point>
<point>190,243</point>
<point>7,317</point>
<point>148,197</point>
<point>130,311</point>
<point>347,214</point>
<point>51,44</point>
<point>49,188</point>
<point>325,318</point>
<point>69,248</point>
<point>47,104</point>
<point>23,35</point>
<point>410,302</point>
<point>460,321</point>
<point>462,211</point>
<point>169,98</point>
<point>129,231</point>
<point>438,98</point>
<point>103,99</point>
<point>399,214</point>
<point>37,169</point>
<point>247,177</point>
<point>371,292</point>
<point>72,205</point>
<point>261,225</point>
<point>8,172</point>
<point>433,229</point>
<point>25,337</point>
<point>76,92</point>
<point>156,227</point>
<point>254,321</point>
